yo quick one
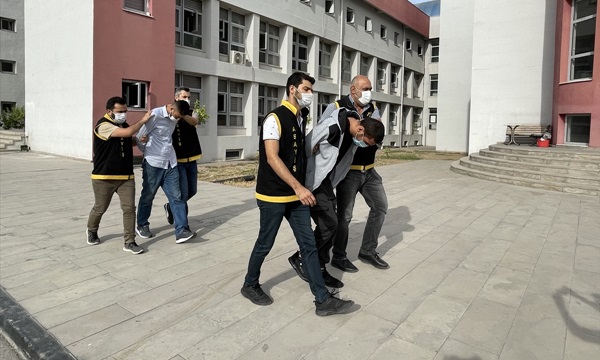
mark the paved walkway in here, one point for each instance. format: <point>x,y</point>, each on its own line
<point>479,271</point>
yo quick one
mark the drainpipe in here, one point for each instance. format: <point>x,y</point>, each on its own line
<point>402,87</point>
<point>340,63</point>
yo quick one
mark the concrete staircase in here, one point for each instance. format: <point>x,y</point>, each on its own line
<point>11,139</point>
<point>567,169</point>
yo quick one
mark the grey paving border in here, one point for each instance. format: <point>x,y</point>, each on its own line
<point>31,337</point>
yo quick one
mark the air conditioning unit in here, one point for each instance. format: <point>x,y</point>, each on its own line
<point>237,57</point>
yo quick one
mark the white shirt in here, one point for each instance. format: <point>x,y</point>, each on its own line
<point>271,130</point>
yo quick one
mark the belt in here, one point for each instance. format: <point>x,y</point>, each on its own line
<point>362,167</point>
<point>190,159</point>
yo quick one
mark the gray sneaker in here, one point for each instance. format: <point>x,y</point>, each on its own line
<point>184,236</point>
<point>143,231</point>
<point>133,247</point>
<point>92,237</point>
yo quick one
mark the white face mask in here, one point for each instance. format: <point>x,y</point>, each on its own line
<point>186,100</point>
<point>305,100</point>
<point>365,98</point>
<point>120,117</point>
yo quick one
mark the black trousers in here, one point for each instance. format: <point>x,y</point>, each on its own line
<point>325,217</point>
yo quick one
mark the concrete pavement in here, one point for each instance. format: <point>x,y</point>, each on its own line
<point>479,271</point>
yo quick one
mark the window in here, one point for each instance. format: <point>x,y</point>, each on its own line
<point>406,81</point>
<point>194,83</point>
<point>307,2</point>
<point>393,122</point>
<point>417,79</point>
<point>188,23</point>
<point>417,119</point>
<point>432,119</point>
<point>420,50</point>
<point>395,70</point>
<point>325,59</point>
<point>7,24</point>
<point>269,44</point>
<point>7,106</point>
<point>299,52</point>
<point>435,50</point>
<point>383,32</point>
<point>267,101</point>
<point>346,65</point>
<point>329,7</point>
<point>230,103</point>
<point>136,94</point>
<point>231,31</point>
<point>582,41</point>
<point>142,6</point>
<point>381,74</point>
<point>364,65</point>
<point>408,44</point>
<point>8,66</point>
<point>233,154</point>
<point>578,129</point>
<point>397,39</point>
<point>433,85</point>
<point>324,101</point>
<point>349,16</point>
<point>368,24</point>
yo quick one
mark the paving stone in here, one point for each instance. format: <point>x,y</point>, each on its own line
<point>586,258</point>
<point>461,285</point>
<point>486,255</point>
<point>543,339</point>
<point>582,346</point>
<point>456,350</point>
<point>394,348</point>
<point>505,286</point>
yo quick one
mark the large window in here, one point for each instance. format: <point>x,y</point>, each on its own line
<point>433,85</point>
<point>417,80</point>
<point>7,24</point>
<point>393,122</point>
<point>395,71</point>
<point>324,101</point>
<point>432,118</point>
<point>188,23</point>
<point>381,74</point>
<point>194,83</point>
<point>269,44</point>
<point>142,6</point>
<point>435,50</point>
<point>578,129</point>
<point>231,31</point>
<point>406,83</point>
<point>325,59</point>
<point>230,103</point>
<point>582,42</point>
<point>346,65</point>
<point>136,94</point>
<point>365,61</point>
<point>267,101</point>
<point>299,52</point>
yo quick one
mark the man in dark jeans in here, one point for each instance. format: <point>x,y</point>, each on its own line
<point>280,193</point>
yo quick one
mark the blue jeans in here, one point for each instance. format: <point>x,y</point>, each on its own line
<point>298,216</point>
<point>188,180</point>
<point>168,179</point>
<point>370,186</point>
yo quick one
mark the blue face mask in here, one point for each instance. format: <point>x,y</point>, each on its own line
<point>359,143</point>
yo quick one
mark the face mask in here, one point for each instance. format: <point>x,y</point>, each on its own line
<point>359,143</point>
<point>120,117</point>
<point>305,100</point>
<point>187,100</point>
<point>365,97</point>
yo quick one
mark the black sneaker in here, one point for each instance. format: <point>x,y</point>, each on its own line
<point>168,213</point>
<point>184,236</point>
<point>255,294</point>
<point>330,280</point>
<point>92,237</point>
<point>332,306</point>
<point>143,231</point>
<point>296,263</point>
<point>133,247</point>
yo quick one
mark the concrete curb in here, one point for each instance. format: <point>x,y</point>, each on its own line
<point>29,336</point>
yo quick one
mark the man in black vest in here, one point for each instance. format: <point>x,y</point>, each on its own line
<point>113,170</point>
<point>188,150</point>
<point>362,178</point>
<point>280,193</point>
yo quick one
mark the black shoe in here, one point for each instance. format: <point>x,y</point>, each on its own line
<point>374,260</point>
<point>331,281</point>
<point>256,295</point>
<point>333,306</point>
<point>92,237</point>
<point>169,213</point>
<point>133,248</point>
<point>296,263</point>
<point>344,265</point>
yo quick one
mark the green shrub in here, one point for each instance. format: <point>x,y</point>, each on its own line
<point>13,119</point>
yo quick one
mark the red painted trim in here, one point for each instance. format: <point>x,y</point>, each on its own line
<point>406,13</point>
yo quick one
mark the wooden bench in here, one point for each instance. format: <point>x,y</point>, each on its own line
<point>525,133</point>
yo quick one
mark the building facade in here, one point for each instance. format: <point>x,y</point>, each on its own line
<point>234,55</point>
<point>12,55</point>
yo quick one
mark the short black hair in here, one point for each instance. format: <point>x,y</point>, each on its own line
<point>296,79</point>
<point>182,107</point>
<point>110,104</point>
<point>180,89</point>
<point>374,129</point>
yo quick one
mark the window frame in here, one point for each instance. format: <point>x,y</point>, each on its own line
<point>147,7</point>
<point>7,106</point>
<point>365,65</point>
<point>268,101</point>
<point>299,64</point>
<point>381,74</point>
<point>383,32</point>
<point>264,37</point>
<point>408,45</point>
<point>368,25</point>
<point>322,65</point>
<point>11,23</point>
<point>180,21</point>
<point>573,57</point>
<point>141,101</point>
<point>227,27</point>
<point>350,12</point>
<point>227,96</point>
<point>13,65</point>
<point>323,101</point>
<point>433,90</point>
<point>330,7</point>
<point>196,92</point>
<point>432,118</point>
<point>346,73</point>
<point>435,50</point>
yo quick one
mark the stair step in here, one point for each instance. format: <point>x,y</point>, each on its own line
<point>10,137</point>
<point>528,182</point>
<point>6,141</point>
<point>563,168</point>
<point>542,158</point>
<point>573,153</point>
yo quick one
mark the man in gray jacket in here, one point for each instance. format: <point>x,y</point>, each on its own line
<point>330,148</point>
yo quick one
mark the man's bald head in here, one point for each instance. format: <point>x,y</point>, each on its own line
<point>359,84</point>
